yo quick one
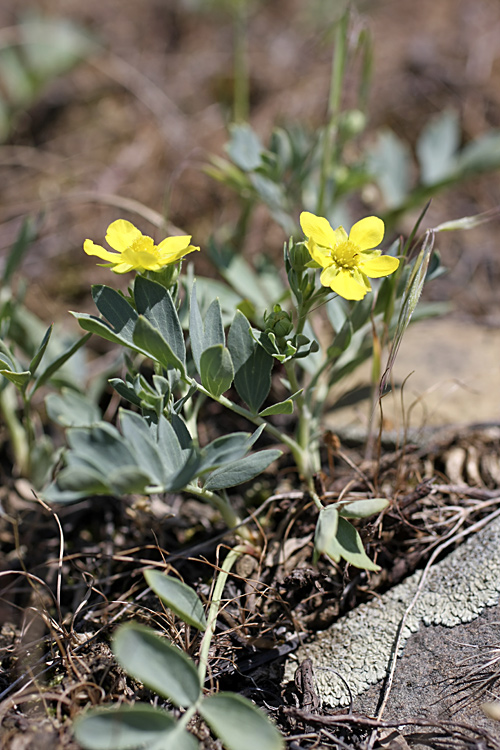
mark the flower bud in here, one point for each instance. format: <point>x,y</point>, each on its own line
<point>279,322</point>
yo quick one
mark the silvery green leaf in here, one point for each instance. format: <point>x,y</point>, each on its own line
<point>170,449</point>
<point>33,365</point>
<point>196,328</point>
<point>138,436</point>
<point>245,148</point>
<point>128,480</point>
<point>155,303</point>
<point>326,529</point>
<point>437,147</point>
<point>84,480</point>
<point>150,340</point>
<point>101,441</point>
<point>104,330</point>
<point>338,539</point>
<point>216,370</point>
<point>341,341</point>
<point>20,379</point>
<point>239,724</point>
<point>252,364</point>
<point>59,361</point>
<point>238,472</point>
<point>282,407</point>
<point>122,727</point>
<point>390,165</point>
<point>158,664</point>
<point>26,235</point>
<point>116,310</point>
<point>72,409</point>
<point>179,597</point>
<point>213,326</point>
<point>481,155</point>
<point>363,508</point>
<point>337,313</point>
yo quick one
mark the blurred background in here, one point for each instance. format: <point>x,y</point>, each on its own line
<point>118,112</point>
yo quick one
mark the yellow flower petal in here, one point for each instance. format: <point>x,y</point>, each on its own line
<point>340,236</point>
<point>367,233</point>
<point>123,268</point>
<point>317,229</point>
<point>93,249</point>
<point>122,234</point>
<point>381,266</point>
<point>173,249</point>
<point>321,255</point>
<point>342,282</point>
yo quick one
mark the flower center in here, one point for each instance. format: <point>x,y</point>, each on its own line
<point>142,253</point>
<point>346,254</point>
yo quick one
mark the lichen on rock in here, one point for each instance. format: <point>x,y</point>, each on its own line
<point>357,649</point>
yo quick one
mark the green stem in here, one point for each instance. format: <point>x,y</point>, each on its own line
<point>254,418</point>
<point>19,439</point>
<point>214,608</point>
<point>241,74</point>
<point>228,513</point>
<point>334,100</point>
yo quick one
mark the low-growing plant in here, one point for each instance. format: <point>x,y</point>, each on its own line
<point>158,448</point>
<point>170,673</point>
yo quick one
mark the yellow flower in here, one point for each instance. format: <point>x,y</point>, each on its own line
<point>137,252</point>
<point>347,261</point>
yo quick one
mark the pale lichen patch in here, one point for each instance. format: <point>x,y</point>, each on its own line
<point>359,646</point>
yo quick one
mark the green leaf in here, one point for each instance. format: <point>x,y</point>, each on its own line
<point>101,446</point>
<point>33,365</point>
<point>253,379</point>
<point>122,727</point>
<point>155,303</point>
<point>390,165</point>
<point>204,335</point>
<point>481,155</point>
<point>72,409</point>
<point>104,330</point>
<point>26,235</point>
<point>117,311</point>
<point>216,370</point>
<point>125,391</point>
<point>128,480</point>
<point>169,446</point>
<point>84,480</point>
<point>229,447</point>
<point>245,148</point>
<point>437,147</point>
<point>147,338</point>
<point>240,471</point>
<point>57,363</point>
<point>326,529</point>
<point>156,663</point>
<point>337,313</point>
<point>20,379</point>
<point>213,326</point>
<point>138,436</point>
<point>196,329</point>
<point>239,724</point>
<point>282,407</point>
<point>179,597</point>
<point>363,508</point>
<point>341,341</point>
<point>337,538</point>
<point>252,364</point>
